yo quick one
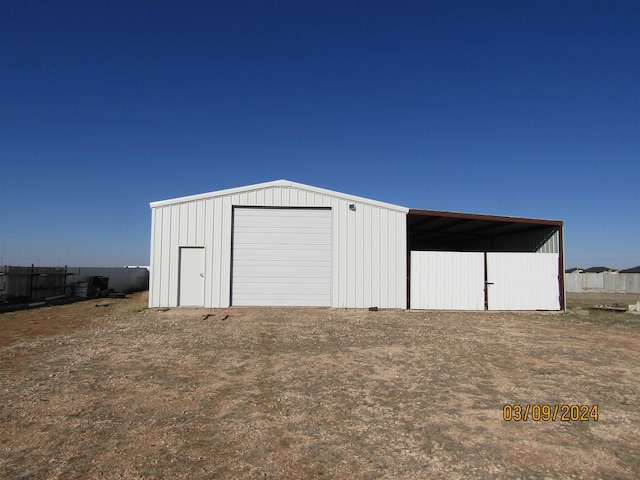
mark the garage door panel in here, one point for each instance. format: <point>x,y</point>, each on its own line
<point>287,223</point>
<point>291,236</point>
<point>255,250</point>
<point>276,288</point>
<point>289,228</point>
<point>288,242</point>
<point>280,274</point>
<point>274,300</point>
<point>288,213</point>
<point>282,257</point>
<point>279,260</point>
<point>246,266</point>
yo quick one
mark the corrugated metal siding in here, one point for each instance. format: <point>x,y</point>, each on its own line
<point>551,245</point>
<point>455,280</point>
<point>368,250</point>
<point>523,281</point>
<point>447,280</point>
<point>541,241</point>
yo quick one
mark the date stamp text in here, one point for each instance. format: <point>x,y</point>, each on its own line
<point>550,413</point>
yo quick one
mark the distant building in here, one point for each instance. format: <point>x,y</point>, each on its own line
<point>600,270</point>
<point>631,270</point>
<point>574,270</point>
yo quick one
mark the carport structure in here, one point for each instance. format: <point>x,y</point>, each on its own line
<point>461,261</point>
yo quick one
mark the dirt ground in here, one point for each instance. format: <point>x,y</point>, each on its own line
<point>122,391</point>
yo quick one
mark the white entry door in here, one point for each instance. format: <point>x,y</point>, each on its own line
<point>522,281</point>
<point>191,285</point>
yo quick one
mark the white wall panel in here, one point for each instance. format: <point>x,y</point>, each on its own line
<point>602,282</point>
<point>632,282</point>
<point>614,282</point>
<point>447,280</point>
<point>523,281</point>
<point>540,241</point>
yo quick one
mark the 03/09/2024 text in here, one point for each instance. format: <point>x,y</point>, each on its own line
<point>550,413</point>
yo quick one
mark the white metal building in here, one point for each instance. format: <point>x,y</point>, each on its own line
<point>278,243</point>
<point>286,244</point>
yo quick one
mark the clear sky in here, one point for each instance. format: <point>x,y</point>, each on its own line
<point>524,108</point>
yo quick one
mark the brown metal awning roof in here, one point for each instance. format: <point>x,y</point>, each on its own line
<point>490,218</point>
<point>439,228</point>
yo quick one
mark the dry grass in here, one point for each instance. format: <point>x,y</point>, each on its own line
<point>127,392</point>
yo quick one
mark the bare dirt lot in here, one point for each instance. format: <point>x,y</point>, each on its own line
<point>122,391</point>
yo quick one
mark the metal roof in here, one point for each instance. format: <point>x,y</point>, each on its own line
<point>420,222</point>
<point>631,270</point>
<point>452,227</point>
<point>599,270</point>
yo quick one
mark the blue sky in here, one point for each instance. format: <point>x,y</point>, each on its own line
<point>522,108</point>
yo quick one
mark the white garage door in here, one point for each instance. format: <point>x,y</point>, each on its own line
<point>281,257</point>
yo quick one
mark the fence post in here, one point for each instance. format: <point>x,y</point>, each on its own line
<point>31,283</point>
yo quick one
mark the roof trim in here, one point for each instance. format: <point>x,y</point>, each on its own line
<point>494,218</point>
<point>277,183</point>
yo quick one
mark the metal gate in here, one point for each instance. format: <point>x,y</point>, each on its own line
<point>479,281</point>
<point>447,280</point>
<point>522,281</point>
